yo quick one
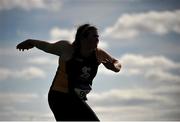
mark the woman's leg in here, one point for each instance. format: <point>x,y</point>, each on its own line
<point>58,103</point>
<point>69,107</point>
<point>82,111</point>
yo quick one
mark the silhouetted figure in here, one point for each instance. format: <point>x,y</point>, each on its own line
<point>78,64</point>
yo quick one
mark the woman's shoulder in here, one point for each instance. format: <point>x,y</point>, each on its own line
<point>64,43</point>
<point>66,48</point>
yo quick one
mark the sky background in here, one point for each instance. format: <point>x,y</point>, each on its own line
<point>143,34</point>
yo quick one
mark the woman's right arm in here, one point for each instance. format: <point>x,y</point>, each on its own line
<point>57,48</point>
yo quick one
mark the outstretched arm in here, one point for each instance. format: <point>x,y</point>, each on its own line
<point>56,48</point>
<point>109,62</point>
<point>113,65</point>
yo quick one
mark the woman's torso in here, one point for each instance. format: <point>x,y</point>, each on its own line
<point>76,72</point>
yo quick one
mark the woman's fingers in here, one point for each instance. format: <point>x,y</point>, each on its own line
<point>25,45</point>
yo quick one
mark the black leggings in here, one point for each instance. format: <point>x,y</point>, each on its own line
<point>69,107</point>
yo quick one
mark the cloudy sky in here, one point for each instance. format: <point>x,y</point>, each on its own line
<point>143,34</point>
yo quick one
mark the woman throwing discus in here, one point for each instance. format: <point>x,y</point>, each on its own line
<point>78,64</point>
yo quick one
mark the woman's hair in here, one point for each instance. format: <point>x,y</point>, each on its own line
<point>82,32</point>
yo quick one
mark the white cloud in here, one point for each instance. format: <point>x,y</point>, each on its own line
<point>161,75</point>
<point>103,44</point>
<point>4,73</point>
<point>103,70</point>
<point>120,113</point>
<point>10,54</point>
<point>12,107</point>
<point>153,67</point>
<point>43,60</point>
<point>62,34</point>
<point>27,73</point>
<point>121,96</point>
<point>25,115</point>
<point>135,60</point>
<point>131,25</point>
<point>116,113</point>
<point>17,97</point>
<point>30,73</point>
<point>30,4</point>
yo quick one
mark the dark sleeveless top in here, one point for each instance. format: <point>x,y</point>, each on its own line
<point>81,70</point>
<point>78,72</point>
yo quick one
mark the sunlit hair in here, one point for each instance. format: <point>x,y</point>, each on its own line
<point>82,32</point>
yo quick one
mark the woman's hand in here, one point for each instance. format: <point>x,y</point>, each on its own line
<point>27,44</point>
<point>117,66</point>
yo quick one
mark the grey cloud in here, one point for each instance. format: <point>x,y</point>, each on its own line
<point>137,104</point>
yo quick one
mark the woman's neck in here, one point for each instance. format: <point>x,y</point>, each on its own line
<point>85,52</point>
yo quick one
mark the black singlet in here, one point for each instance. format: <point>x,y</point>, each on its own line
<point>81,70</point>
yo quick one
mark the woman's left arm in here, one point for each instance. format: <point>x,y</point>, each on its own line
<point>109,62</point>
<point>113,65</point>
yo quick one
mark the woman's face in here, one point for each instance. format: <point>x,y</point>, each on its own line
<point>92,40</point>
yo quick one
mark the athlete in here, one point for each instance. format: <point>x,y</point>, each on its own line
<point>78,64</point>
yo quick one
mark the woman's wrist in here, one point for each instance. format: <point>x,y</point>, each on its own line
<point>33,42</point>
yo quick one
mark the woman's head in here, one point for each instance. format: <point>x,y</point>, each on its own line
<point>86,36</point>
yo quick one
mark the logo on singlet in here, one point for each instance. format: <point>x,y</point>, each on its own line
<point>85,72</point>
